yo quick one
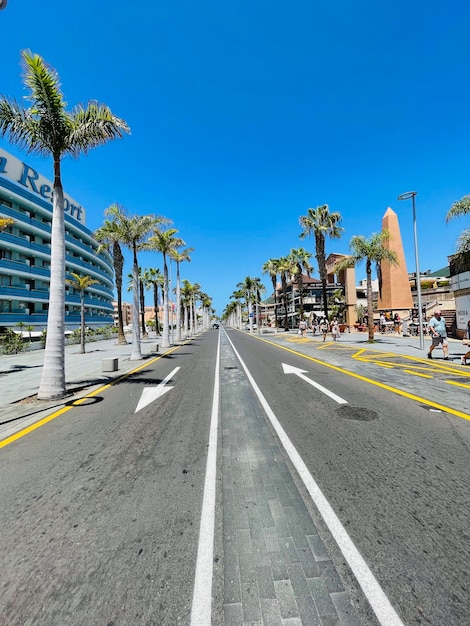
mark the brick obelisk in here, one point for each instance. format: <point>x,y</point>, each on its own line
<point>396,290</point>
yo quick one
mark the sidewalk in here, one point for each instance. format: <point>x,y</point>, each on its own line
<point>391,342</point>
<point>20,375</point>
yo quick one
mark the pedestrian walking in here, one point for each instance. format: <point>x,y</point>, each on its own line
<point>468,329</point>
<point>303,328</point>
<point>437,328</point>
<point>397,323</point>
<point>335,330</point>
<point>324,328</point>
<point>382,321</point>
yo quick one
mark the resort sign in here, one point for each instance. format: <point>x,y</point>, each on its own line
<point>24,175</point>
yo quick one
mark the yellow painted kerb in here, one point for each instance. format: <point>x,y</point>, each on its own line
<point>399,392</point>
<point>53,416</point>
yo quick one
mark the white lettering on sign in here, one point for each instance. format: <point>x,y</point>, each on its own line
<point>26,176</point>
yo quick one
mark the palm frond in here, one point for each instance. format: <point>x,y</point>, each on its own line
<point>93,126</point>
<point>461,207</point>
<point>463,242</point>
<point>23,129</point>
<point>43,81</point>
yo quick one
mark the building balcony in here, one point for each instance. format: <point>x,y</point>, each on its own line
<point>22,268</point>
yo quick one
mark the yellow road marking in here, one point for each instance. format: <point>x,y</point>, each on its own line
<point>376,383</point>
<point>53,416</point>
<point>418,374</point>
<point>453,382</point>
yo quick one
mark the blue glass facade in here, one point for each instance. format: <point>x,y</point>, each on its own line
<point>26,197</point>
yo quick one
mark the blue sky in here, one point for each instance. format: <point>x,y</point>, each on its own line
<point>245,113</point>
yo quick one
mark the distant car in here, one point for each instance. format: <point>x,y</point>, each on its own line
<point>216,326</point>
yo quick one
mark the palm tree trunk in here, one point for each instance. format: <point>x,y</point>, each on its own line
<point>136,353</point>
<point>52,385</point>
<point>186,321</point>
<point>300,285</point>
<point>155,307</point>
<point>275,300</point>
<point>284,294</point>
<point>82,323</point>
<point>166,322</point>
<point>195,313</point>
<point>142,309</point>
<point>320,256</point>
<point>370,310</point>
<point>118,264</point>
<point>178,303</point>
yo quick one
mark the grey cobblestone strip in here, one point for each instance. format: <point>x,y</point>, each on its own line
<point>277,570</point>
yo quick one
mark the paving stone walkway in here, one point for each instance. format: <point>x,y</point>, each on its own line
<point>277,570</point>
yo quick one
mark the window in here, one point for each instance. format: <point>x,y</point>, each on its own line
<point>5,254</point>
<point>6,202</point>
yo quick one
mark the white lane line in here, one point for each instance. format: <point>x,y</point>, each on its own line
<point>202,595</point>
<point>375,595</point>
<point>290,369</point>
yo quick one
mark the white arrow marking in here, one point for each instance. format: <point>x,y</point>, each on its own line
<point>150,394</point>
<point>290,369</point>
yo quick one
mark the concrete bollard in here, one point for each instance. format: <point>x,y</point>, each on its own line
<point>110,364</point>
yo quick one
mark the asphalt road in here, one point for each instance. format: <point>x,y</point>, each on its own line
<point>100,508</point>
<point>395,471</point>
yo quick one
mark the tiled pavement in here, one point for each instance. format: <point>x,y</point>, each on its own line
<point>277,570</point>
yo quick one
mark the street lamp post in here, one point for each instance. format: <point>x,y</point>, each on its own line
<point>407,196</point>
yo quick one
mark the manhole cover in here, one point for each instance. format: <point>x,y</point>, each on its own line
<point>357,413</point>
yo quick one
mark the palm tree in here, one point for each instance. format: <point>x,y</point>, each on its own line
<point>461,261</point>
<point>141,285</point>
<point>46,128</point>
<point>248,288</point>
<point>136,231</point>
<point>370,251</point>
<point>321,223</point>
<point>179,257</point>
<point>271,267</point>
<point>5,222</point>
<point>301,259</point>
<point>30,329</point>
<point>110,236</point>
<point>80,283</point>
<point>186,295</point>
<point>21,326</point>
<point>288,269</point>
<point>164,241</point>
<point>230,314</point>
<point>154,278</point>
<point>206,302</point>
<point>258,287</point>
<point>142,305</point>
<point>237,295</point>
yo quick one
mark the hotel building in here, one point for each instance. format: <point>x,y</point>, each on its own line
<point>25,247</point>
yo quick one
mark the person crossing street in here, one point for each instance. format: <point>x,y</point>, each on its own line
<point>437,328</point>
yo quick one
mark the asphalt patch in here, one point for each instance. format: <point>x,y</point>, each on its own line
<point>356,413</point>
